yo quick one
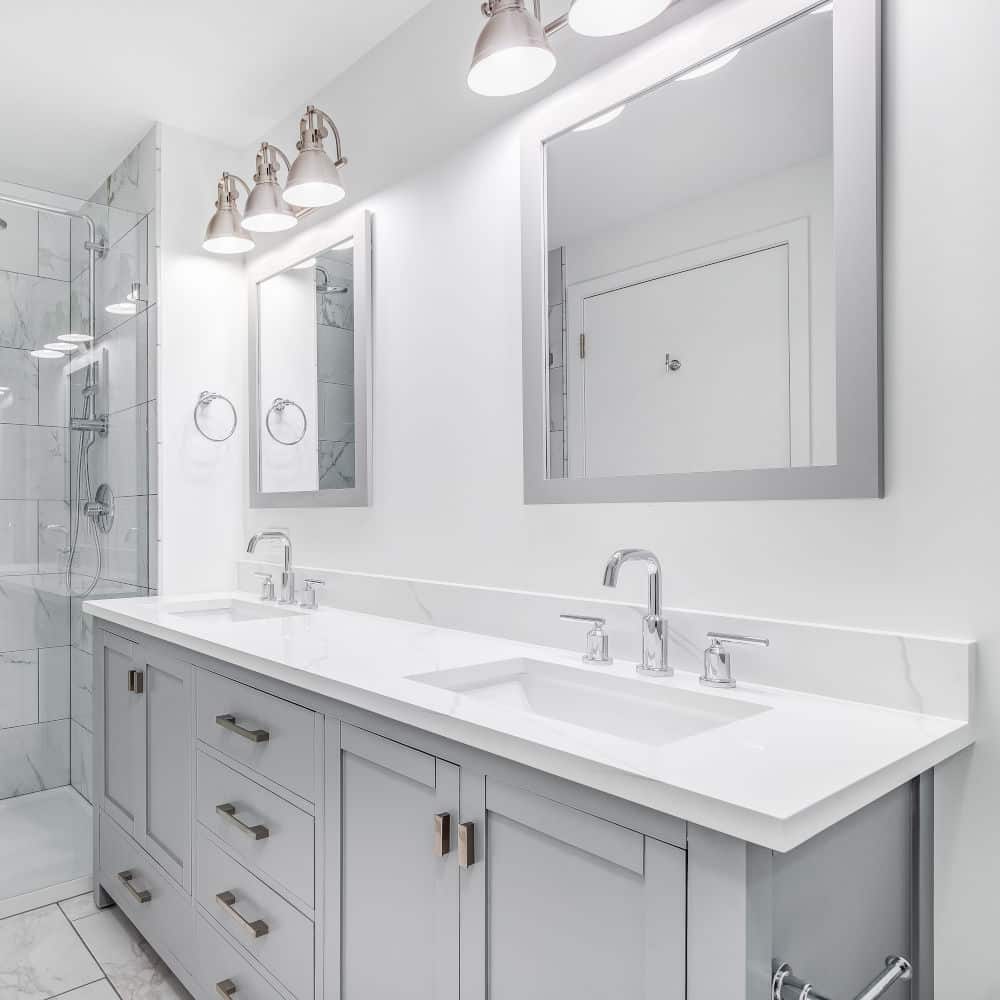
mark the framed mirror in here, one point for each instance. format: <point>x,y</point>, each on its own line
<point>310,369</point>
<point>701,265</point>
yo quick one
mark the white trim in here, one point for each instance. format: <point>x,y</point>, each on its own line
<point>45,897</point>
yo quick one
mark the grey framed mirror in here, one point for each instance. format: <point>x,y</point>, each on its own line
<point>310,369</point>
<point>701,265</point>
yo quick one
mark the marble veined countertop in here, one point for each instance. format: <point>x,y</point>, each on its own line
<point>796,766</point>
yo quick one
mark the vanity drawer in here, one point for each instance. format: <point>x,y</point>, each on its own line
<point>256,917</point>
<point>223,972</point>
<point>286,854</point>
<point>150,899</point>
<point>269,734</point>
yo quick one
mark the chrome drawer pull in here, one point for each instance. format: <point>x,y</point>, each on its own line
<point>139,895</point>
<point>256,928</point>
<point>466,844</point>
<point>228,812</point>
<point>226,989</point>
<point>253,735</point>
<point>442,834</point>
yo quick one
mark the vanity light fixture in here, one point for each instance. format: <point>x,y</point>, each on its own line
<point>314,179</point>
<point>129,307</point>
<point>602,119</point>
<point>225,232</point>
<point>513,54</point>
<point>711,66</point>
<point>267,211</point>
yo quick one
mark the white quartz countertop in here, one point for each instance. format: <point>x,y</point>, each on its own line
<point>774,778</point>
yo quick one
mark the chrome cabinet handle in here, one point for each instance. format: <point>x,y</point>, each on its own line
<point>466,844</point>
<point>253,735</point>
<point>225,988</point>
<point>135,681</point>
<point>442,834</point>
<point>139,895</point>
<point>255,928</point>
<point>228,812</point>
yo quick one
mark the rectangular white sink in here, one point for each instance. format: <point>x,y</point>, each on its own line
<point>228,611</point>
<point>628,708</point>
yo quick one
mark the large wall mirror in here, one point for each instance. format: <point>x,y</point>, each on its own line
<point>310,372</point>
<point>702,266</point>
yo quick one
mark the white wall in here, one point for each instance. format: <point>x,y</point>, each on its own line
<point>447,452</point>
<point>203,333</point>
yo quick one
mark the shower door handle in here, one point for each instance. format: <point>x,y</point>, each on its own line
<point>135,681</point>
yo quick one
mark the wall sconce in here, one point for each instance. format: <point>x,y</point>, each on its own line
<point>313,180</point>
<point>513,55</point>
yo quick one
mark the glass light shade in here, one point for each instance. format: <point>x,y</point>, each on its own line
<point>75,338</point>
<point>62,347</point>
<point>598,120</point>
<point>599,18</point>
<point>313,181</point>
<point>711,66</point>
<point>512,54</point>
<point>225,233</point>
<point>267,211</point>
<point>48,353</point>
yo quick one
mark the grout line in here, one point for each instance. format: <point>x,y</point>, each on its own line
<point>97,961</point>
<point>66,993</point>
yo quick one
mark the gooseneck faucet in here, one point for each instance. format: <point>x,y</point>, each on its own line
<point>287,576</point>
<point>654,626</point>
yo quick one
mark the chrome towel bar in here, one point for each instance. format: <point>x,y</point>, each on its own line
<point>786,986</point>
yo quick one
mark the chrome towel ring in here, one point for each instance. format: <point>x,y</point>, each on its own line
<point>279,406</point>
<point>206,399</point>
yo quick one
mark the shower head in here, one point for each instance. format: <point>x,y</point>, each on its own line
<point>323,283</point>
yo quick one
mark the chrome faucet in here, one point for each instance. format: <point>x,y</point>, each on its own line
<point>654,626</point>
<point>287,576</point>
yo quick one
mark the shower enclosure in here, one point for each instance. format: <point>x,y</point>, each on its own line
<point>78,507</point>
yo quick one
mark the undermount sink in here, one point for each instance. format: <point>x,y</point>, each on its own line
<point>631,709</point>
<point>227,611</point>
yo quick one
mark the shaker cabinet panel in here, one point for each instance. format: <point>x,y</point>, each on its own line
<point>399,871</point>
<point>577,906</point>
<point>120,728</point>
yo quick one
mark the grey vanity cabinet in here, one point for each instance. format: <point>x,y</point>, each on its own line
<point>399,888</point>
<point>144,707</point>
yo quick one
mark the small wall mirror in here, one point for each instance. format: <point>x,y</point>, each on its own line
<point>707,248</point>
<point>311,328</point>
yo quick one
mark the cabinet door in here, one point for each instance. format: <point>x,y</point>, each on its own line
<point>577,906</point>
<point>119,727</point>
<point>164,826</point>
<point>399,882</point>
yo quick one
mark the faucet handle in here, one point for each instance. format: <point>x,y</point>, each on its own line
<point>597,638</point>
<point>266,586</point>
<point>718,667</point>
<point>309,598</point>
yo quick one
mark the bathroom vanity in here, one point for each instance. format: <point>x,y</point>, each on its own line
<point>303,804</point>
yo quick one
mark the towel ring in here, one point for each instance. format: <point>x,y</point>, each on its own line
<point>205,399</point>
<point>278,406</point>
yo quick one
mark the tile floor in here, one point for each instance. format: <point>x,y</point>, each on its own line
<point>73,951</point>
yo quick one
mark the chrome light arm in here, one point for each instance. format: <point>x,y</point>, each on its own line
<point>312,133</point>
<point>786,986</point>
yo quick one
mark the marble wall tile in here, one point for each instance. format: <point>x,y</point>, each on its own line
<point>42,957</point>
<point>18,547</point>
<point>81,755</point>
<point>336,355</point>
<point>336,412</point>
<point>33,462</point>
<point>53,393</point>
<point>33,310</point>
<point>152,351</point>
<point>336,465</point>
<point>121,457</point>
<point>18,688</point>
<point>53,530</point>
<point>132,184</point>
<point>152,447</point>
<point>123,264</point>
<point>19,243</point>
<point>53,683</point>
<point>81,626</point>
<point>18,387</point>
<point>34,612</point>
<point>33,758</point>
<point>122,356</point>
<point>127,546</point>
<point>79,302</point>
<point>53,246</point>
<point>81,688</point>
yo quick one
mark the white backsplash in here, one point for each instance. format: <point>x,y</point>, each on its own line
<point>911,673</point>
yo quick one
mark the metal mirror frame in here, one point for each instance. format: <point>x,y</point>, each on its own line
<point>857,61</point>
<point>357,226</point>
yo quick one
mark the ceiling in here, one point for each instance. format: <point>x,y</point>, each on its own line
<point>80,84</point>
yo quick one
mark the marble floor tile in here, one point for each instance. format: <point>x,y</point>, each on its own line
<point>53,683</point>
<point>41,956</point>
<point>133,968</point>
<point>79,906</point>
<point>95,991</point>
<point>34,758</point>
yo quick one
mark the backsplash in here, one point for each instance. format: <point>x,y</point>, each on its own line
<point>905,672</point>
